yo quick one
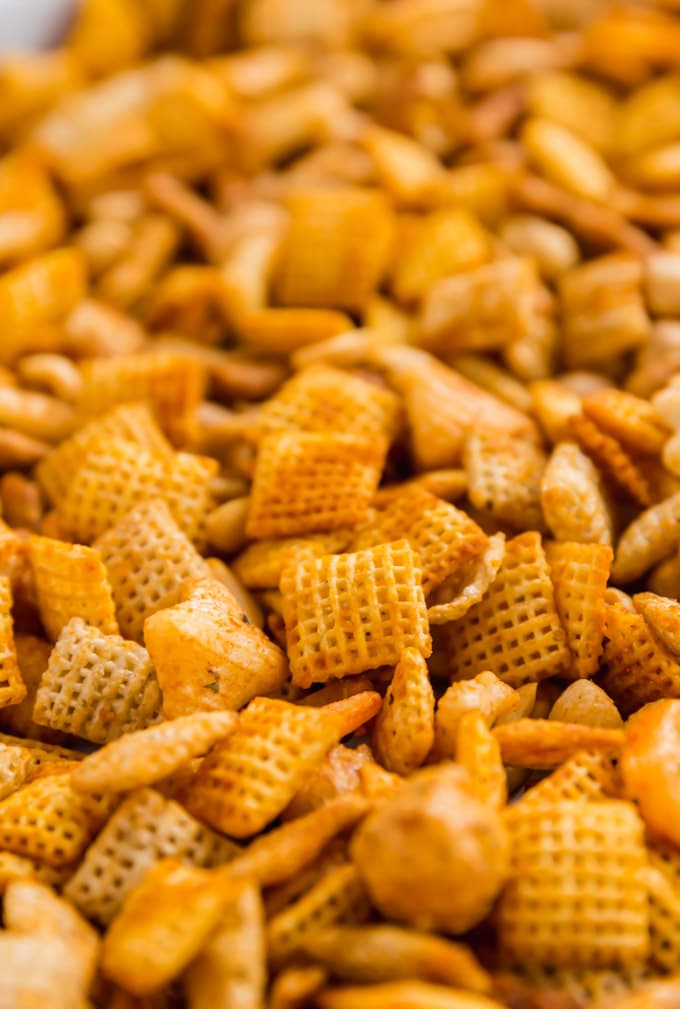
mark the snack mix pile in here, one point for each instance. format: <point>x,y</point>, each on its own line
<point>340,490</point>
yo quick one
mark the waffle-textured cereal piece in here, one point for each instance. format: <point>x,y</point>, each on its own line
<point>577,894</point>
<point>468,586</point>
<point>231,969</point>
<point>207,654</point>
<point>12,687</point>
<point>612,459</point>
<point>259,566</point>
<point>403,733</point>
<point>579,573</point>
<point>572,498</point>
<point>664,919</point>
<point>443,536</point>
<point>97,686</point>
<point>478,751</point>
<point>162,926</point>
<point>637,668</point>
<point>541,743</point>
<point>347,613</point>
<point>132,422</point>
<point>308,482</point>
<point>628,418</point>
<point>650,538</point>
<point>41,752</point>
<point>149,755</point>
<point>171,383</point>
<point>325,399</point>
<point>47,820</point>
<point>118,475</point>
<point>504,478</point>
<point>336,248</point>
<point>588,776</point>
<point>148,559</point>
<point>514,631</point>
<point>663,616</point>
<point>251,776</point>
<point>337,897</point>
<point>145,828</point>
<point>70,581</point>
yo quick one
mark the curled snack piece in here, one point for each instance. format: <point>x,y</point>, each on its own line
<point>663,617</point>
<point>460,591</point>
<point>404,728</point>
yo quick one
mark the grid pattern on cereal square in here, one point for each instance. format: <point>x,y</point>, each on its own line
<point>145,828</point>
<point>347,613</point>
<point>42,753</point>
<point>70,581</point>
<point>148,559</point>
<point>664,915</point>
<point>97,686</point>
<point>504,477</point>
<point>443,536</point>
<point>132,422</point>
<point>47,820</point>
<point>12,686</point>
<point>309,482</point>
<point>577,894</point>
<point>580,572</point>
<point>514,631</point>
<point>637,668</point>
<point>610,456</point>
<point>326,400</point>
<point>587,777</point>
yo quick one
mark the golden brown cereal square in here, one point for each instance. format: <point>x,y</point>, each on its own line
<point>351,612</point>
<point>637,667</point>
<point>504,478</point>
<point>308,482</point>
<point>588,776</point>
<point>579,573</point>
<point>514,631</point>
<point>97,686</point>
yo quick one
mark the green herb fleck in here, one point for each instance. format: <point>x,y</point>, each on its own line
<point>214,686</point>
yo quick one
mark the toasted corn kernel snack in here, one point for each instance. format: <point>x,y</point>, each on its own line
<point>577,894</point>
<point>663,616</point>
<point>551,246</point>
<point>443,536</point>
<point>335,250</point>
<point>477,750</point>
<point>12,687</point>
<point>70,581</point>
<point>485,693</point>
<point>47,820</point>
<point>518,613</point>
<point>646,769</point>
<point>371,600</point>
<point>422,827</point>
<point>588,776</point>
<point>460,591</point>
<point>579,573</point>
<point>207,654</point>
<point>259,566</point>
<point>148,559</point>
<point>540,743</point>
<point>650,538</point>
<point>231,968</point>
<point>610,456</point>
<point>163,924</point>
<point>504,478</point>
<point>149,755</point>
<point>312,482</point>
<point>96,686</point>
<point>251,776</point>
<point>637,667</point>
<point>35,414</point>
<point>144,829</point>
<point>403,733</point>
<point>567,160</point>
<point>585,703</point>
<point>572,498</point>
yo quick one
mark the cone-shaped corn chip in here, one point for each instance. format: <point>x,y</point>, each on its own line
<point>145,828</point>
<point>477,750</point>
<point>631,420</point>
<point>207,654</point>
<point>571,496</point>
<point>232,969</point>
<point>250,777</point>
<point>588,776</point>
<point>337,897</point>
<point>485,693</point>
<point>638,669</point>
<point>611,458</point>
<point>148,559</point>
<point>46,820</point>
<point>579,573</point>
<point>514,631</point>
<point>650,538</point>
<point>141,758</point>
<point>309,482</point>
<point>663,616</point>
<point>172,384</point>
<point>577,893</point>
<point>12,687</point>
<point>348,613</point>
<point>259,566</point>
<point>97,686</point>
<point>163,924</point>
<point>541,743</point>
<point>504,478</point>
<point>70,581</point>
<point>443,536</point>
<point>584,703</point>
<point>404,729</point>
<point>336,248</point>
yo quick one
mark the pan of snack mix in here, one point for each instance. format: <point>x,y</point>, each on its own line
<point>340,497</point>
